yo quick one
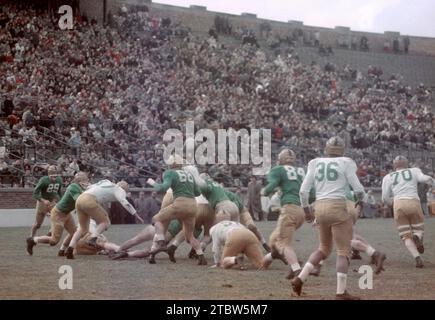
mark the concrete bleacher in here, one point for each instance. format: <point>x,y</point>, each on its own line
<point>415,69</point>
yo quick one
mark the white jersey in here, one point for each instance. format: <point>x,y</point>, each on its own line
<point>106,191</point>
<point>195,173</point>
<point>219,233</point>
<point>330,178</point>
<point>402,184</point>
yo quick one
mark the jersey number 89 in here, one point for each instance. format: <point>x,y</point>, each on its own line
<point>292,172</point>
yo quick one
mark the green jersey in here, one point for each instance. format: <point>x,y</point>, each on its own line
<point>68,201</point>
<point>213,192</point>
<point>234,198</point>
<point>182,183</point>
<point>45,189</point>
<point>288,179</point>
<point>175,227</point>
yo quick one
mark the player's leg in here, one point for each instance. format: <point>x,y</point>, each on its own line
<point>208,222</point>
<point>146,234</point>
<point>405,231</point>
<point>83,219</point>
<point>253,250</point>
<point>53,239</point>
<point>232,252</point>
<point>342,235</point>
<point>70,227</point>
<point>161,222</point>
<point>360,244</point>
<point>186,212</point>
<point>325,246</point>
<point>41,211</point>
<point>416,219</point>
<point>247,221</point>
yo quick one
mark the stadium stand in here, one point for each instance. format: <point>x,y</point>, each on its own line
<point>100,97</point>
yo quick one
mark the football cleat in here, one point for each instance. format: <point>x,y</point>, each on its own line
<point>171,253</point>
<point>61,253</point>
<point>346,296</point>
<point>30,244</point>
<point>69,253</point>
<point>297,285</point>
<point>419,263</point>
<point>418,243</point>
<point>201,260</point>
<point>379,259</point>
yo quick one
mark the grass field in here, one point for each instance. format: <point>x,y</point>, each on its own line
<point>97,277</point>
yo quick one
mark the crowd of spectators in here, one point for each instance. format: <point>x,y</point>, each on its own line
<point>99,98</point>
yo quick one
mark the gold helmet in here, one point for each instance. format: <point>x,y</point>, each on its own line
<point>52,170</point>
<point>287,156</point>
<point>123,184</point>
<point>175,161</point>
<point>81,178</point>
<point>335,147</point>
<point>400,162</point>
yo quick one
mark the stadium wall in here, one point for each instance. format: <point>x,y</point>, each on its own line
<point>199,19</point>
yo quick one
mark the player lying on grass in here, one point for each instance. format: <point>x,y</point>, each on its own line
<point>147,234</point>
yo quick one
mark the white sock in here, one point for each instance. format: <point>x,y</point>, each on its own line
<point>321,262</point>
<point>409,243</point>
<point>36,239</point>
<point>308,267</point>
<point>370,250</point>
<point>268,257</point>
<point>200,252</point>
<point>263,241</point>
<point>62,247</point>
<point>175,243</point>
<point>419,234</point>
<point>295,266</point>
<point>341,282</point>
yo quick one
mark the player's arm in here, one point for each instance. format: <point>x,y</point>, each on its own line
<point>421,177</point>
<point>196,189</point>
<point>352,179</point>
<point>121,196</point>
<point>167,182</point>
<point>387,192</point>
<point>37,192</point>
<point>59,192</point>
<point>307,185</point>
<point>273,181</point>
<point>216,247</point>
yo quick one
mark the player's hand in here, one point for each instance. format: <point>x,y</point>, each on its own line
<point>263,192</point>
<point>151,181</point>
<point>138,217</point>
<point>45,202</point>
<point>309,214</point>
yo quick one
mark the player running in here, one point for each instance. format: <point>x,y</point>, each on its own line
<point>330,176</point>
<point>288,179</point>
<point>408,215</point>
<point>61,217</point>
<point>47,192</point>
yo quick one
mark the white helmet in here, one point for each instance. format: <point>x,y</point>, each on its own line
<point>400,162</point>
<point>335,147</point>
<point>287,156</point>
